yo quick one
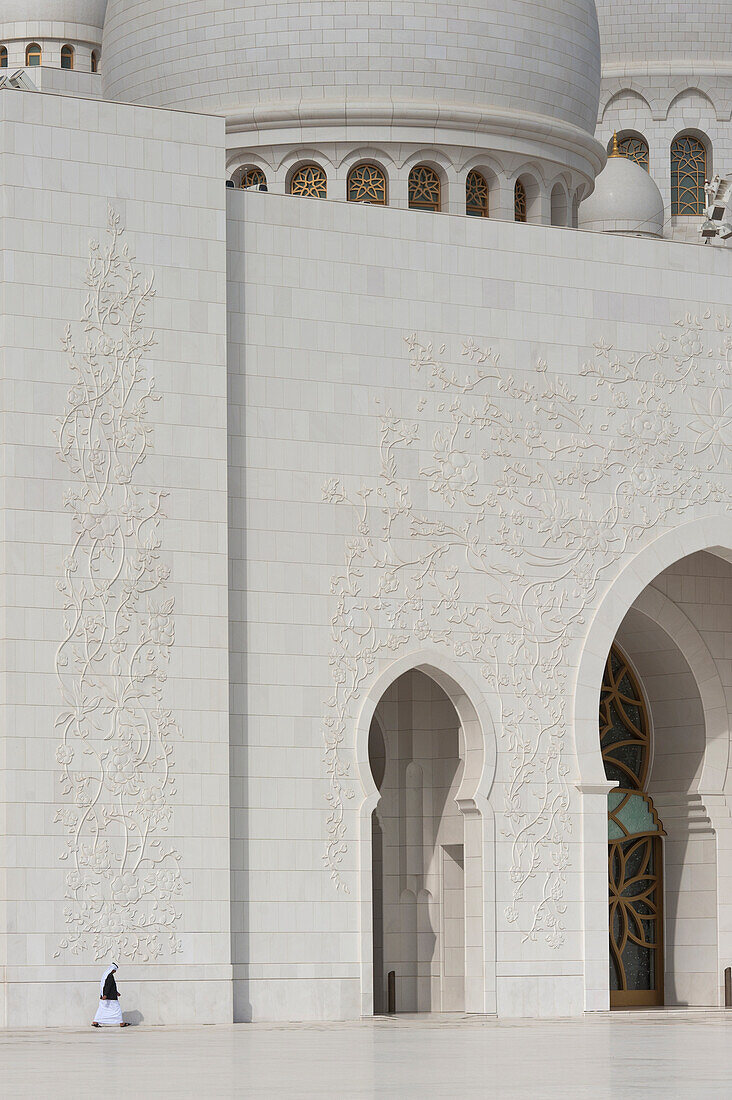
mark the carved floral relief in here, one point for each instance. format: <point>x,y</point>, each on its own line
<point>115,729</point>
<point>499,543</point>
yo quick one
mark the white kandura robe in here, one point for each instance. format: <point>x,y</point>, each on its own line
<point>109,1012</point>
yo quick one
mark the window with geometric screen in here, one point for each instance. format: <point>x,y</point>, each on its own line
<point>634,148</point>
<point>311,181</point>
<point>424,188</point>
<point>519,202</point>
<point>688,172</point>
<point>476,195</point>
<point>367,183</point>
<point>253,177</point>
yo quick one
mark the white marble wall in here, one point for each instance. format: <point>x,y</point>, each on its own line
<point>467,447</point>
<point>123,727</point>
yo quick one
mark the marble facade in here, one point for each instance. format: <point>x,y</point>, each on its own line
<point>319,522</point>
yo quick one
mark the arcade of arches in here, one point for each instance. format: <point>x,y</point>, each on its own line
<point>663,732</point>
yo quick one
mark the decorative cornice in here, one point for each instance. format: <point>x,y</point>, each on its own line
<point>478,121</point>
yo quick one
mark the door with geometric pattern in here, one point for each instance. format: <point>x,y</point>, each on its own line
<point>635,856</point>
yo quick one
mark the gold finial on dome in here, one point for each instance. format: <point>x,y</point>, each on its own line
<point>615,151</point>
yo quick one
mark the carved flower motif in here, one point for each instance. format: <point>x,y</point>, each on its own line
<point>159,627</point>
<point>98,522</point>
<point>168,883</point>
<point>122,770</point>
<point>643,480</point>
<point>95,857</point>
<point>152,805</point>
<point>73,881</point>
<point>454,473</point>
<point>712,426</point>
<point>650,428</point>
<point>109,920</point>
<point>126,889</point>
<point>64,754</point>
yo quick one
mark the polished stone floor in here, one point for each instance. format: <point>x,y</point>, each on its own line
<point>668,1053</point>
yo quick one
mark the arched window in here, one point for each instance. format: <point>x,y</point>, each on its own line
<point>519,201</point>
<point>33,55</point>
<point>688,172</point>
<point>559,205</point>
<point>367,183</point>
<point>67,57</point>
<point>309,180</point>
<point>3,57</point>
<point>424,188</point>
<point>253,177</point>
<point>634,148</point>
<point>635,863</point>
<point>476,195</point>
<point>95,61</point>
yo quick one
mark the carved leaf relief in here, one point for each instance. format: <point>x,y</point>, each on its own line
<point>538,484</point>
<point>115,731</point>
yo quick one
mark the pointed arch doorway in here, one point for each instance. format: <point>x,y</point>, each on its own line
<point>428,889</point>
<point>635,856</point>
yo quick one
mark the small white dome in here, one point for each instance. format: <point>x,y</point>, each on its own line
<point>625,200</point>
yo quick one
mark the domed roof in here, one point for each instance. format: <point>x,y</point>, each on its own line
<point>244,56</point>
<point>642,35</point>
<point>51,18</point>
<point>625,200</point>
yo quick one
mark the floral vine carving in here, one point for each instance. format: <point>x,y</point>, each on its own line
<point>115,753</point>
<point>497,547</point>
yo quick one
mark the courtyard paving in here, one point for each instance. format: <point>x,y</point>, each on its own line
<point>667,1053</point>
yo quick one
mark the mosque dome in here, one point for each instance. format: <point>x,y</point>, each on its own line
<point>463,67</point>
<point>645,36</point>
<point>82,20</point>
<point>625,200</point>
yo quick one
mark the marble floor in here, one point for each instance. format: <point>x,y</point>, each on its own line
<point>667,1053</point>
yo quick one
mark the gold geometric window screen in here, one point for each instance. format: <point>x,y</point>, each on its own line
<point>476,195</point>
<point>688,172</point>
<point>3,57</point>
<point>634,846</point>
<point>367,183</point>
<point>634,148</point>
<point>424,188</point>
<point>67,57</point>
<point>33,54</point>
<point>310,180</point>
<point>253,177</point>
<point>519,201</point>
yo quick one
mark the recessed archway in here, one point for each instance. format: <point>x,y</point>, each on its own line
<point>662,611</point>
<point>426,756</point>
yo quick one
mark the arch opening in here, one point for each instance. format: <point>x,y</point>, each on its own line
<point>674,740</point>
<point>427,843</point>
<point>559,206</point>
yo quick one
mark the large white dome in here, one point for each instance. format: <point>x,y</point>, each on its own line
<point>638,36</point>
<point>52,18</point>
<point>239,57</point>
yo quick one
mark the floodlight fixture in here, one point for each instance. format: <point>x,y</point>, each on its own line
<point>718,193</point>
